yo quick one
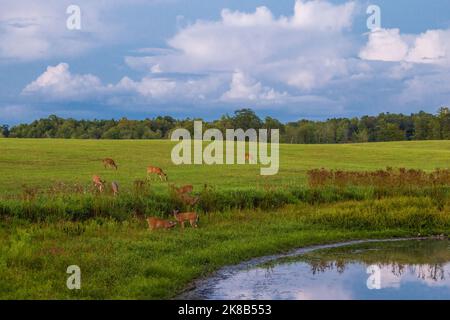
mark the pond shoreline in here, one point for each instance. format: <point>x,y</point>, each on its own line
<point>199,288</point>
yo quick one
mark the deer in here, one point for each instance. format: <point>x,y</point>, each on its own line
<point>183,190</point>
<point>248,156</point>
<point>181,218</point>
<point>109,163</point>
<point>158,171</point>
<point>98,183</point>
<point>115,188</point>
<point>156,223</point>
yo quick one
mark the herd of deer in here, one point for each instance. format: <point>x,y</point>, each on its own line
<point>183,194</point>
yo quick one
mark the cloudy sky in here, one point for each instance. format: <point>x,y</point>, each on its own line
<point>285,58</point>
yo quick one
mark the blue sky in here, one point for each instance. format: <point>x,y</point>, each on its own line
<point>286,58</point>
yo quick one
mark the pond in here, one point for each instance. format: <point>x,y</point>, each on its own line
<point>410,269</point>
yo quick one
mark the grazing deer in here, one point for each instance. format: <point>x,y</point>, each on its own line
<point>109,163</point>
<point>158,171</point>
<point>184,189</point>
<point>156,223</point>
<point>115,188</point>
<point>181,218</point>
<point>98,183</point>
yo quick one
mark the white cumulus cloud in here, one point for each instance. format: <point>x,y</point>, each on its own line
<point>432,46</point>
<point>245,88</point>
<point>385,45</point>
<point>285,49</point>
<point>59,83</point>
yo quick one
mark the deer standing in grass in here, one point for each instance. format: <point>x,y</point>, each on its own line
<point>156,223</point>
<point>181,218</point>
<point>109,163</point>
<point>98,183</point>
<point>157,171</point>
<point>115,188</point>
<point>183,190</point>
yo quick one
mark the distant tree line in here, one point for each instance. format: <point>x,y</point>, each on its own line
<point>384,127</point>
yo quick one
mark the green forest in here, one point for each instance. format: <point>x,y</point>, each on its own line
<point>383,127</point>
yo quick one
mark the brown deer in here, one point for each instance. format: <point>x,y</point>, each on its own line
<point>181,218</point>
<point>158,171</point>
<point>98,183</point>
<point>248,156</point>
<point>109,163</point>
<point>156,223</point>
<point>184,189</point>
<point>115,188</point>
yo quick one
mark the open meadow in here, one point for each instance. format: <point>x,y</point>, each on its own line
<point>51,218</point>
<point>41,162</point>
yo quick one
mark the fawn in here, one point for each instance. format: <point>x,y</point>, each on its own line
<point>109,163</point>
<point>157,171</point>
<point>192,217</point>
<point>115,188</point>
<point>98,183</point>
<point>156,223</point>
<point>183,190</point>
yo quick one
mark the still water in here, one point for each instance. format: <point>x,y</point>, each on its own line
<point>410,269</point>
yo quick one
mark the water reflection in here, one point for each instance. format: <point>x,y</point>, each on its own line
<point>400,270</point>
<point>434,272</point>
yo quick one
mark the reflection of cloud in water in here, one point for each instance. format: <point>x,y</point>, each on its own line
<point>297,281</point>
<point>324,293</point>
<point>388,278</point>
<point>279,283</point>
<point>393,275</point>
<point>424,273</point>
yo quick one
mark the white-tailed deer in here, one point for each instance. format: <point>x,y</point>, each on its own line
<point>184,189</point>
<point>109,163</point>
<point>181,218</point>
<point>156,223</point>
<point>98,183</point>
<point>157,171</point>
<point>115,188</point>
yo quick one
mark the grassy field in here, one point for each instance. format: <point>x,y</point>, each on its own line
<point>123,260</point>
<point>42,162</point>
<point>119,258</point>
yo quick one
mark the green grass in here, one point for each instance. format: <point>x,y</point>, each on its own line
<point>41,162</point>
<point>124,260</point>
<point>249,215</point>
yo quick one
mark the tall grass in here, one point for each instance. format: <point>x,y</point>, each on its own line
<point>389,178</point>
<point>80,206</point>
